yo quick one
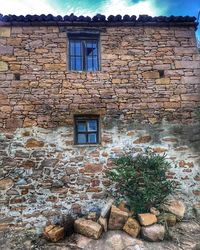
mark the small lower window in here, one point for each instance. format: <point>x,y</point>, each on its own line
<point>86,130</point>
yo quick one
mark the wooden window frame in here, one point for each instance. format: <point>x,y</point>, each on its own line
<point>86,118</point>
<point>84,38</point>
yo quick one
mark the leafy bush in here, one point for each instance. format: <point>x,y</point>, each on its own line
<point>141,181</point>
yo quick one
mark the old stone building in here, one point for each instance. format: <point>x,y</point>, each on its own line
<point>76,92</point>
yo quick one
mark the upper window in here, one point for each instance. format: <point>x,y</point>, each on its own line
<point>83,53</point>
<point>86,130</point>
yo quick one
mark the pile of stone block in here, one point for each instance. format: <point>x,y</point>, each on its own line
<point>149,226</point>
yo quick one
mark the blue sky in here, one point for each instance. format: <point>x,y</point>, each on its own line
<point>106,7</point>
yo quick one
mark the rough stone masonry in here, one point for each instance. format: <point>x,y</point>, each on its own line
<point>145,94</point>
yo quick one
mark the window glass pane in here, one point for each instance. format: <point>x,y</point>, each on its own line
<point>92,125</point>
<point>75,55</point>
<point>91,47</point>
<point>75,48</point>
<point>78,63</point>
<point>81,126</point>
<point>95,48</point>
<point>83,55</point>
<point>71,48</point>
<point>92,138</point>
<point>72,63</point>
<point>90,64</point>
<point>82,138</point>
<point>78,48</point>
<point>95,63</point>
<point>91,56</point>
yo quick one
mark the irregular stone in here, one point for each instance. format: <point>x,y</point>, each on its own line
<point>55,67</point>
<point>33,143</point>
<point>163,81</point>
<point>6,183</point>
<point>54,233</point>
<point>28,164</point>
<point>143,139</point>
<point>91,168</point>
<point>187,64</point>
<point>3,66</point>
<point>190,97</point>
<point>104,223</point>
<point>106,209</point>
<point>176,207</point>
<point>190,79</point>
<point>12,192</point>
<point>154,232</point>
<point>21,182</point>
<point>117,218</point>
<point>5,31</point>
<point>147,219</point>
<point>196,208</point>
<point>151,75</point>
<point>132,227</point>
<point>29,122</point>
<point>88,228</point>
<point>76,208</point>
<point>57,184</point>
<point>6,50</point>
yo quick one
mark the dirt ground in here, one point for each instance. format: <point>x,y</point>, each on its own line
<point>184,236</point>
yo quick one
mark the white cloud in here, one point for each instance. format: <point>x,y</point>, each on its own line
<point>122,7</point>
<point>24,7</point>
<point>114,7</point>
<point>108,7</point>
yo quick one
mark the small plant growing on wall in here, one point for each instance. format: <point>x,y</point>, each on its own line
<point>141,181</point>
<point>197,112</point>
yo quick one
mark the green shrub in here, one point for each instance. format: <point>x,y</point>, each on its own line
<point>141,181</point>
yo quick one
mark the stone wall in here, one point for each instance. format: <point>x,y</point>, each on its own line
<point>145,94</point>
<point>130,82</point>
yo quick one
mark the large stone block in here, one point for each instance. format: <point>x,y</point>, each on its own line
<point>54,233</point>
<point>106,209</point>
<point>132,227</point>
<point>3,66</point>
<point>153,233</point>
<point>104,223</point>
<point>147,219</point>
<point>117,218</point>
<point>88,228</point>
<point>176,207</point>
<point>5,31</point>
